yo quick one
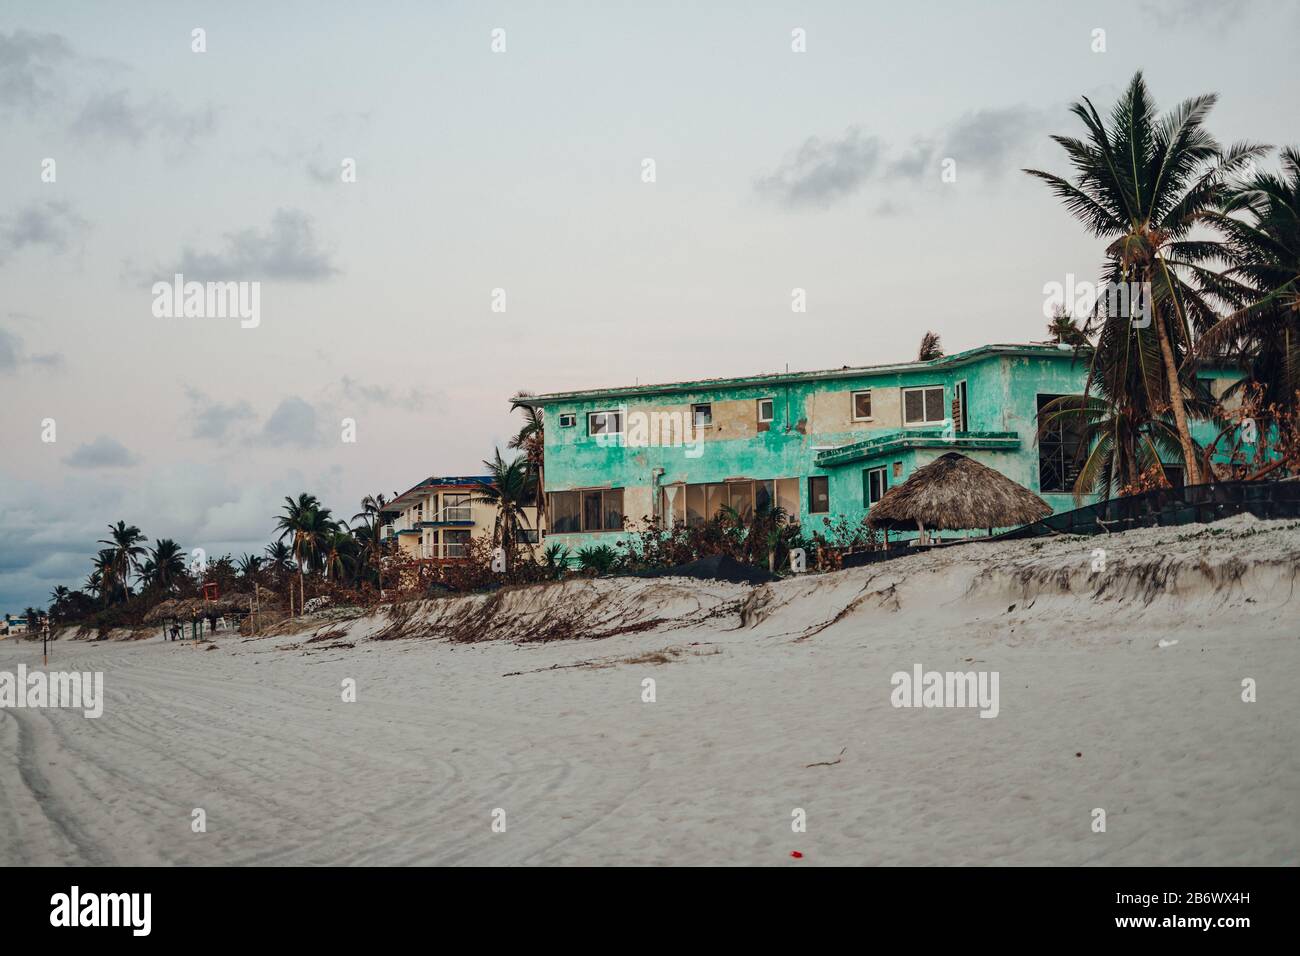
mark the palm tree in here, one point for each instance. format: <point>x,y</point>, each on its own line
<point>124,540</point>
<point>1064,329</point>
<point>249,566</point>
<point>1143,184</point>
<point>370,536</point>
<point>510,492</point>
<point>930,348</point>
<point>104,580</point>
<point>279,558</point>
<point>166,565</point>
<point>1120,442</point>
<point>531,439</point>
<point>1262,282</point>
<point>307,522</point>
<point>338,549</point>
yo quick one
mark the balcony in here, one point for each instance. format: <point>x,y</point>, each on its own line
<point>447,517</point>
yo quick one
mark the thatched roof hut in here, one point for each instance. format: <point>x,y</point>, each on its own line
<point>954,493</point>
<point>182,609</point>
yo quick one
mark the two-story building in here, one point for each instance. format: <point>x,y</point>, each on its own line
<point>436,519</point>
<point>819,444</point>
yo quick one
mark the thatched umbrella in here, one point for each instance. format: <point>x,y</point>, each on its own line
<point>953,493</point>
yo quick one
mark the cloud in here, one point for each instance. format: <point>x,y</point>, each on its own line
<point>288,249</point>
<point>13,358</point>
<point>103,452</point>
<point>114,116</point>
<point>294,423</point>
<point>52,224</point>
<point>822,171</point>
<point>213,420</point>
<point>28,65</point>
<point>412,399</point>
<point>1215,15</point>
<point>988,140</point>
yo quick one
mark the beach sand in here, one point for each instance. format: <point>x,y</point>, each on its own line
<point>767,701</point>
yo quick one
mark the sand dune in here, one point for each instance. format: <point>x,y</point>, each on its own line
<point>530,701</point>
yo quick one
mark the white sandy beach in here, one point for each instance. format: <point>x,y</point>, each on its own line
<point>758,684</point>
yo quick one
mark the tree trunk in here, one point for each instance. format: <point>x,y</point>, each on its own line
<point>1176,400</point>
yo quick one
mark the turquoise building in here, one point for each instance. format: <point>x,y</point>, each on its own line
<point>824,444</point>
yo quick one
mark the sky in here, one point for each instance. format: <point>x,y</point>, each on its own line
<point>639,186</point>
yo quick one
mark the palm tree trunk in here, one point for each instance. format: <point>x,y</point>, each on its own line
<point>1176,400</point>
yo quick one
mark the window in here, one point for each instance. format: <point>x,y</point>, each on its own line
<point>702,415</point>
<point>960,417</point>
<point>562,510</point>
<point>764,411</point>
<point>1061,447</point>
<point>527,536</point>
<point>568,420</point>
<point>819,495</point>
<point>454,543</point>
<point>598,510</point>
<point>873,486</point>
<point>455,508</point>
<point>696,504</point>
<point>604,423</point>
<point>862,406</point>
<point>898,469</point>
<point>923,406</point>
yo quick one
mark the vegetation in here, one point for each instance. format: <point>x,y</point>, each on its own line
<point>1165,197</point>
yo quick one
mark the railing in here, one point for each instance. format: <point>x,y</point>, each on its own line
<point>444,551</point>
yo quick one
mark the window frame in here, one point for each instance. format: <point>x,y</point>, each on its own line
<point>605,413</point>
<point>923,389</point>
<point>812,498</point>
<point>572,419</point>
<point>853,406</point>
<point>883,470</point>
<point>771,414</point>
<point>695,410</point>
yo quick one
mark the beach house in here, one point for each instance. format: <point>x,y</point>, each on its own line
<point>824,444</point>
<point>436,519</point>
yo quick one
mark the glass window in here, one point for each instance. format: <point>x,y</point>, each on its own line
<point>787,496</point>
<point>717,497</point>
<point>455,507</point>
<point>593,518</point>
<point>923,406</point>
<point>697,511</point>
<point>762,495</point>
<point>873,486</point>
<point>741,497</point>
<point>614,509</point>
<point>568,420</point>
<point>862,406</point>
<point>454,543</point>
<point>562,511</point>
<point>605,423</point>
<point>764,409</point>
<point>672,505</point>
<point>819,495</point>
<point>702,415</point>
